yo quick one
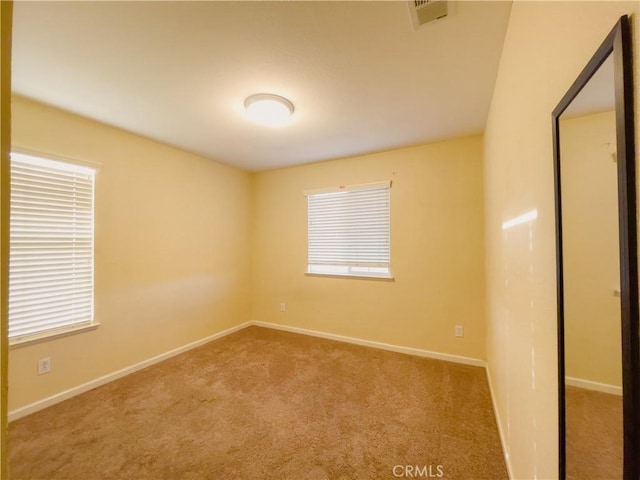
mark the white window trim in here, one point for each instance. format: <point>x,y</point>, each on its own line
<point>386,276</point>
<point>60,158</point>
<point>38,337</point>
<point>382,278</point>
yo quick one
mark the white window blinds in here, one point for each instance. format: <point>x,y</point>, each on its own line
<point>51,245</point>
<point>349,231</point>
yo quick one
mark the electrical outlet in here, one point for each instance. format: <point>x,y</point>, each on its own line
<point>459,331</point>
<point>283,307</point>
<point>44,365</point>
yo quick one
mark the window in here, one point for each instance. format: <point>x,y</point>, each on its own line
<point>349,231</point>
<point>51,247</point>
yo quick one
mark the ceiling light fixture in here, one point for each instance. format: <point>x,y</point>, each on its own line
<point>268,109</point>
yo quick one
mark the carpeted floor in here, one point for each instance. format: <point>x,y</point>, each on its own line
<point>594,435</point>
<point>265,404</point>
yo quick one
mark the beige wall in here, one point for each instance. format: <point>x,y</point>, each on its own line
<point>5,145</point>
<point>436,250</point>
<point>546,45</point>
<point>172,251</point>
<point>591,252</point>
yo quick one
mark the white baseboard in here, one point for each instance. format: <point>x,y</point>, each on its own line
<point>85,387</point>
<point>369,343</point>
<point>505,452</point>
<point>596,386</point>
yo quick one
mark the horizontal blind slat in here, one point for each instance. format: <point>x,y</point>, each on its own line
<point>26,328</point>
<point>47,309</point>
<point>31,212</point>
<point>34,279</point>
<point>44,286</point>
<point>19,300</point>
<point>49,260</point>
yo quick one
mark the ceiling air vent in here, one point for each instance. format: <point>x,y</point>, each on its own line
<point>427,11</point>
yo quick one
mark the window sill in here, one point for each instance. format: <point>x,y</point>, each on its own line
<point>31,339</point>
<point>352,276</point>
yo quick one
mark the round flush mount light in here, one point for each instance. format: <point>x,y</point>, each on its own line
<point>268,109</point>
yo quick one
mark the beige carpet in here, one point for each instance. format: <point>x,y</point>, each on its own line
<point>264,404</point>
<point>594,435</point>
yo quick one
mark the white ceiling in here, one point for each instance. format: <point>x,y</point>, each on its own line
<point>361,78</point>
